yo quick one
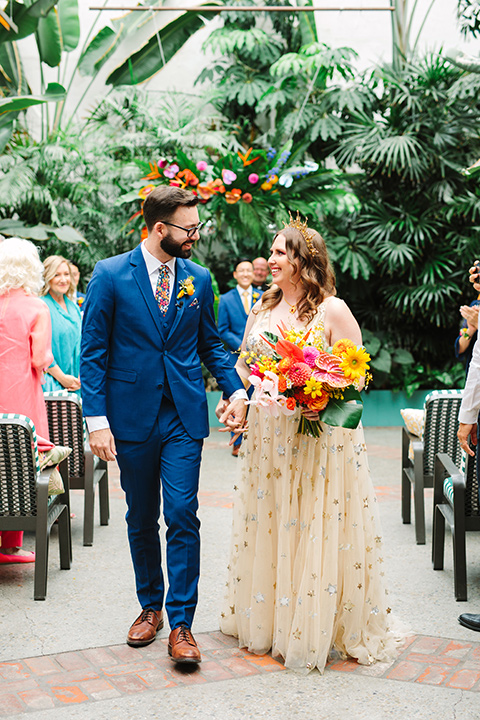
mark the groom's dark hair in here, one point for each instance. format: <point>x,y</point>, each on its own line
<point>162,202</point>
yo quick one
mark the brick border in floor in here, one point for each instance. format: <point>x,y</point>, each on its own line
<point>50,681</point>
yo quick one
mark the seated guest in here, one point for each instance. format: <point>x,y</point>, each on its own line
<point>66,319</point>
<point>25,332</point>
<point>233,311</point>
<point>260,274</point>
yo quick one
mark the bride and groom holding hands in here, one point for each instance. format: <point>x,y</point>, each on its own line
<point>305,571</point>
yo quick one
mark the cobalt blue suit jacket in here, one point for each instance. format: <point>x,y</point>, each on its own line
<point>127,354</point>
<point>232,319</point>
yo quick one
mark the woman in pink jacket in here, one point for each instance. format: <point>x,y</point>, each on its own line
<point>25,336</point>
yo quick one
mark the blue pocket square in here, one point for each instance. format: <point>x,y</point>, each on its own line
<point>193,303</point>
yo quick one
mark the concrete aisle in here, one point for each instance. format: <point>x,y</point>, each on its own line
<point>66,657</point>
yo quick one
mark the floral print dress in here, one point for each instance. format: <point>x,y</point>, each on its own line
<point>306,564</point>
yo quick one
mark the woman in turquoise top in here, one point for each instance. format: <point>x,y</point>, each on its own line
<point>66,318</point>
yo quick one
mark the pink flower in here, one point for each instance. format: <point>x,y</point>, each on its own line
<point>310,354</point>
<point>329,370</point>
<point>266,395</point>
<point>255,371</point>
<point>162,163</point>
<point>253,178</point>
<point>228,176</point>
<point>171,171</point>
<point>247,198</point>
<point>202,165</point>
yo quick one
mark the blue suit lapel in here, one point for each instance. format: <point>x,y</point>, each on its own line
<point>140,276</point>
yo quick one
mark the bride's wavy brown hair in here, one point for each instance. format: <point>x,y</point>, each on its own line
<point>316,273</point>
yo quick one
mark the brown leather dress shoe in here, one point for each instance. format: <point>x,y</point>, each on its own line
<point>182,647</point>
<point>145,627</point>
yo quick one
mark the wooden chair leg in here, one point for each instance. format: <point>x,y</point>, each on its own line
<point>64,538</point>
<point>406,489</point>
<point>89,499</point>
<point>419,507</point>
<point>88,511</point>
<point>438,540</point>
<point>459,546</point>
<point>406,499</point>
<point>42,536</point>
<point>104,500</point>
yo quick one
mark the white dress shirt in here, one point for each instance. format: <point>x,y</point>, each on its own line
<point>471,395</point>
<point>100,422</point>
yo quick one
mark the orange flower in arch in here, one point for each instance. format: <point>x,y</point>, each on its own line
<point>146,191</point>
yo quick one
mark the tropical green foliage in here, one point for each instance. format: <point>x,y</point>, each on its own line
<point>469,16</point>
<point>56,28</point>
<point>409,246</point>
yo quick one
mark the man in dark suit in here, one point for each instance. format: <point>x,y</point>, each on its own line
<point>233,310</point>
<point>148,324</point>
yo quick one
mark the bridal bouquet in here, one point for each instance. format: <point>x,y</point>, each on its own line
<point>301,373</point>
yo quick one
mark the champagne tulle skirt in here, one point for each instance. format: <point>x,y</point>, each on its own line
<point>306,570</point>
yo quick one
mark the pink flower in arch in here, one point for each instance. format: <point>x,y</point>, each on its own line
<point>228,176</point>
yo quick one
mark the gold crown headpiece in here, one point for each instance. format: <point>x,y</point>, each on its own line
<point>303,228</point>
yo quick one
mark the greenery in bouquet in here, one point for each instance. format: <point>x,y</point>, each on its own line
<point>302,373</point>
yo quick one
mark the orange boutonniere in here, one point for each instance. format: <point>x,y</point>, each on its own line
<point>186,287</point>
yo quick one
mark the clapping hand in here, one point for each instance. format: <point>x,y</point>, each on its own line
<point>474,277</point>
<point>471,316</point>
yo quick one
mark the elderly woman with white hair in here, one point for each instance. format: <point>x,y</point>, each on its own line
<point>66,325</point>
<point>25,333</point>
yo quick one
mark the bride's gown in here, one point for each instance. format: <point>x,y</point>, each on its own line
<point>306,563</point>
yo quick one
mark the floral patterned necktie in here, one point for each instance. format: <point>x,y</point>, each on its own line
<point>162,291</point>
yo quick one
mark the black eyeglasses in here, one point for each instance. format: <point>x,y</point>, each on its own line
<point>190,231</point>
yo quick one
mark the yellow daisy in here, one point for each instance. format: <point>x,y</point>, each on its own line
<point>355,362</point>
<point>313,387</point>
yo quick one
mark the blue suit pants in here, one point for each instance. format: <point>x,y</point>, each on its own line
<point>166,466</point>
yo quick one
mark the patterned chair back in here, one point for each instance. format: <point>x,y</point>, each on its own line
<point>19,466</point>
<point>441,424</point>
<point>66,427</point>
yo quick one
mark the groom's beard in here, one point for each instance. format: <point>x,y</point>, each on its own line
<point>174,248</point>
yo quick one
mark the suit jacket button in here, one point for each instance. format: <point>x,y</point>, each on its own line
<point>165,324</point>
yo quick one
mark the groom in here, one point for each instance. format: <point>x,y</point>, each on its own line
<point>148,324</point>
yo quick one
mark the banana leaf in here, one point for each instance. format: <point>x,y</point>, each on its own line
<point>48,39</point>
<point>342,413</point>
<point>145,63</point>
<point>26,18</point>
<point>53,93</point>
<point>40,232</point>
<point>99,50</point>
<point>12,75</point>
<point>69,24</point>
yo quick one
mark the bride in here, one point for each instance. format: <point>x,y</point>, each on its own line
<point>305,575</point>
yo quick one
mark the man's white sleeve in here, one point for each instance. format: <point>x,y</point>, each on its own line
<point>471,395</point>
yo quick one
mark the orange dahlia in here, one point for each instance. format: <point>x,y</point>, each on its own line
<point>342,346</point>
<point>299,373</point>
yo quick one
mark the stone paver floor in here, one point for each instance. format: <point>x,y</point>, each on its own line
<point>87,676</point>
